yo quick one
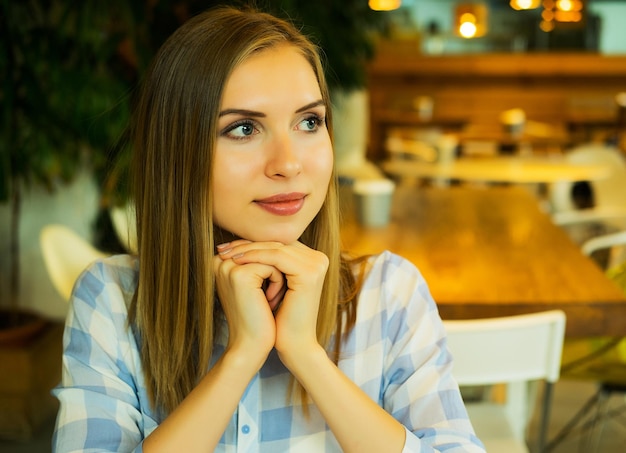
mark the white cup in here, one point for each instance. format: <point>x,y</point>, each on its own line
<point>373,201</point>
<point>514,121</point>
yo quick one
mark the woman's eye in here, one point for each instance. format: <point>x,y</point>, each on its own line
<point>311,124</point>
<point>240,130</point>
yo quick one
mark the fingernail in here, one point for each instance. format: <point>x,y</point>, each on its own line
<point>223,246</point>
<point>238,255</point>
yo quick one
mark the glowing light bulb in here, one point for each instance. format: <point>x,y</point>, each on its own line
<point>470,19</point>
<point>565,5</point>
<point>524,4</point>
<point>384,5</point>
<point>467,29</point>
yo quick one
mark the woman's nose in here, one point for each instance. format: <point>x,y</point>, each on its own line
<point>283,160</point>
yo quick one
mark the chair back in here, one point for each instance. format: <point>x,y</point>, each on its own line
<point>65,256</point>
<point>507,349</point>
<point>516,351</point>
<point>604,241</point>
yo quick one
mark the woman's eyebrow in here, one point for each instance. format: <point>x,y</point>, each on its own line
<point>241,112</point>
<point>310,106</point>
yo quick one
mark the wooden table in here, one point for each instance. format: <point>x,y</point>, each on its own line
<point>519,170</point>
<point>489,252</point>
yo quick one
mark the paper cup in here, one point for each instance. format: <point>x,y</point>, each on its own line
<point>373,201</point>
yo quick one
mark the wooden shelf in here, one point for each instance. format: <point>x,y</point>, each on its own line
<point>563,90</point>
<point>549,65</point>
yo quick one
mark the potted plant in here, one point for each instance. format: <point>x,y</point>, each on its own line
<point>54,100</point>
<point>55,88</point>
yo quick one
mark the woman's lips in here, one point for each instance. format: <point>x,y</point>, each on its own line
<point>282,204</point>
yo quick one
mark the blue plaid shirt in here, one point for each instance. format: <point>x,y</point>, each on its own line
<point>396,353</point>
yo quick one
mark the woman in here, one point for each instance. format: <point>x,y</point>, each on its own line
<point>240,323</point>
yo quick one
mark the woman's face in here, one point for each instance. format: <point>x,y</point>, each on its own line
<point>273,158</point>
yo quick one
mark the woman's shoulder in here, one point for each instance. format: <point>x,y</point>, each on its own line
<point>108,278</point>
<point>117,269</point>
<point>118,266</point>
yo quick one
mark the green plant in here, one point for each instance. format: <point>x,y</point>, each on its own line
<point>58,96</point>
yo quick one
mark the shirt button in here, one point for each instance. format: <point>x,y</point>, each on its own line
<point>245,429</point>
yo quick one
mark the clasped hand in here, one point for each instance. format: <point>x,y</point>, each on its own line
<point>270,293</point>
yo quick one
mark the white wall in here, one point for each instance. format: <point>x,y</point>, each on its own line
<point>75,206</point>
<point>613,35</point>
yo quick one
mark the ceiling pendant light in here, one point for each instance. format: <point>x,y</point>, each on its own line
<point>520,5</point>
<point>568,10</point>
<point>470,20</point>
<point>384,5</point>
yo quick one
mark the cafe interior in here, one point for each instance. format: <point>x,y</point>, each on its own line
<point>487,145</point>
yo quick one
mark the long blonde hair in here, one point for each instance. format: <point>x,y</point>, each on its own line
<point>174,131</point>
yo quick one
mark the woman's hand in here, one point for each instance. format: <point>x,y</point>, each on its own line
<point>251,325</point>
<point>298,273</point>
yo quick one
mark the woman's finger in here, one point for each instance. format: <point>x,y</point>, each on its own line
<point>275,291</point>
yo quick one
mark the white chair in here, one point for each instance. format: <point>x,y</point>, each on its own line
<point>609,194</point>
<point>516,351</point>
<point>614,242</point>
<point>65,255</point>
